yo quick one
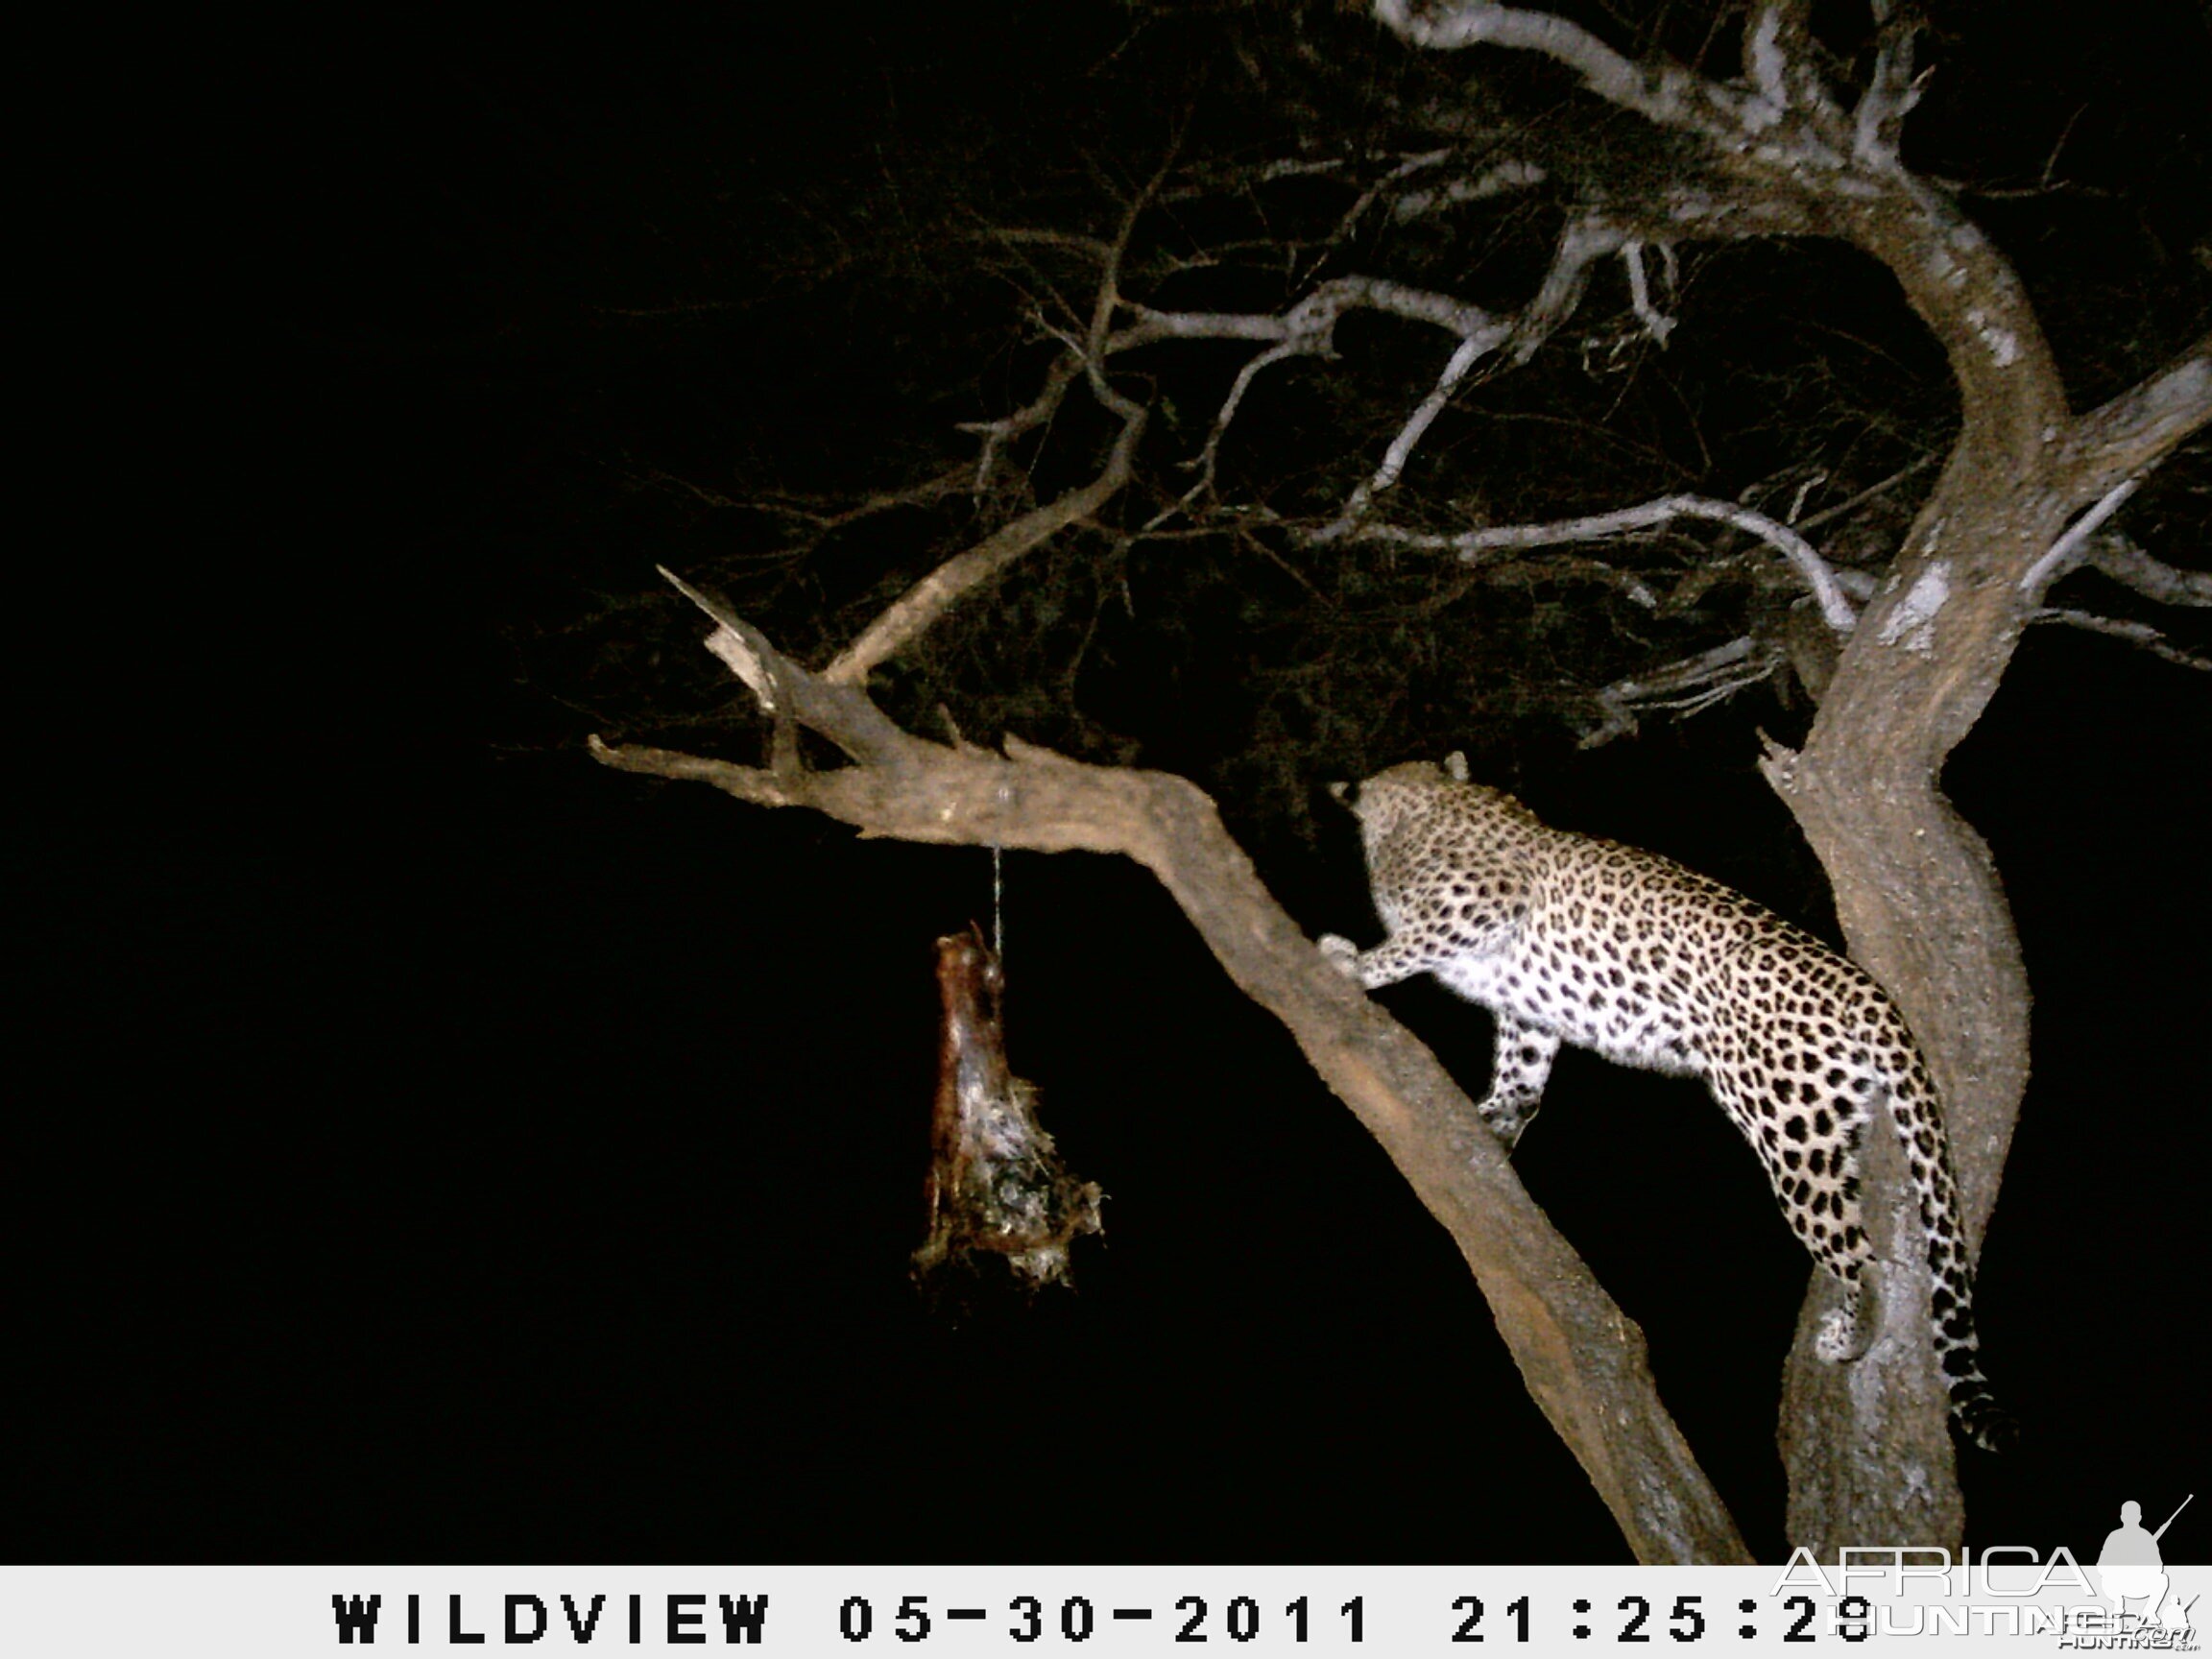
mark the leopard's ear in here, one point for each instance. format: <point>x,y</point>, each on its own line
<point>1455,766</point>
<point>1337,792</point>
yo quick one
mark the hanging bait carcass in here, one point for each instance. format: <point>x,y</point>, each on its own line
<point>996,1182</point>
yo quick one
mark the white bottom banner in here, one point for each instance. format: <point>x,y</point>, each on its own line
<point>2012,1600</point>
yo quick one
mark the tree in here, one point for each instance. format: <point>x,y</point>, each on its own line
<point>1899,633</point>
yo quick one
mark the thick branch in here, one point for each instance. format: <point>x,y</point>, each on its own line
<point>2128,436</point>
<point>1583,1361</point>
<point>1657,94</point>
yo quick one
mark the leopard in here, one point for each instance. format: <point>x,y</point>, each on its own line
<point>1571,938</point>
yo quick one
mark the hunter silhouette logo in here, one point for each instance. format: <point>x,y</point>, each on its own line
<point>2131,1570</point>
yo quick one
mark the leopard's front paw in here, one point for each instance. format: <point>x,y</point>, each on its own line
<point>1506,1124</point>
<point>1342,954</point>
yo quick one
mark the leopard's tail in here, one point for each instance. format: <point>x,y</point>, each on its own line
<point>1915,1113</point>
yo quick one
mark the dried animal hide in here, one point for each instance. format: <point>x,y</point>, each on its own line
<point>996,1183</point>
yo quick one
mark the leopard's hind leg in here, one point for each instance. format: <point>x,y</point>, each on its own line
<point>1806,1115</point>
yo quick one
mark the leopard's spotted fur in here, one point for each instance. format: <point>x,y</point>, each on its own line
<point>1569,939</point>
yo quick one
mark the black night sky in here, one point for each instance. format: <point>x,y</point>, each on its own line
<point>452,1150</point>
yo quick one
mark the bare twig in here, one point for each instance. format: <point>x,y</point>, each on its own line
<point>1020,236</point>
<point>1891,92</point>
<point>1491,182</point>
<point>2140,634</point>
<point>817,522</point>
<point>913,613</point>
<point>996,434</point>
<point>1209,451</point>
<point>1568,568</point>
<point>1398,175</point>
<point>1311,322</point>
<point>1585,238</point>
<point>1693,684</point>
<point>1470,544</point>
<point>1827,513</point>
<point>2112,555</point>
<point>1469,353</point>
<point>2064,552</point>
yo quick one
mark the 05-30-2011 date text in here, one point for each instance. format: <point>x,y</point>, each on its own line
<point>1470,1619</point>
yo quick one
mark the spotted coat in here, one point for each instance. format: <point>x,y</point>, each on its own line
<point>1567,939</point>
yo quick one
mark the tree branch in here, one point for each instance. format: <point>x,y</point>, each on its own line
<point>1657,93</point>
<point>1491,182</point>
<point>2136,430</point>
<point>1311,324</point>
<point>1583,1359</point>
<point>1693,684</point>
<point>1058,377</point>
<point>2112,555</point>
<point>2065,552</point>
<point>1656,323</point>
<point>2140,634</point>
<point>1307,329</point>
<point>1891,91</point>
<point>1470,544</point>
<point>1585,239</point>
<point>787,693</point>
<point>917,610</point>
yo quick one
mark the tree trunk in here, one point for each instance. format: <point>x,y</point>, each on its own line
<point>1922,909</point>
